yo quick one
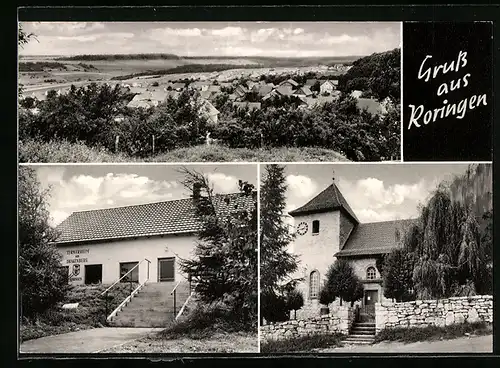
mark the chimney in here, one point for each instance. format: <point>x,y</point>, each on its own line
<point>196,190</point>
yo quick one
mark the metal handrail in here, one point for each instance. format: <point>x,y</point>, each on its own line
<point>121,278</point>
<point>175,287</point>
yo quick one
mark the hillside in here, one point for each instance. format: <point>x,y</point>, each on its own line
<point>377,75</point>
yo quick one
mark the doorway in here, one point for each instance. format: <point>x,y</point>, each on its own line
<point>166,269</point>
<point>367,310</point>
<point>93,274</point>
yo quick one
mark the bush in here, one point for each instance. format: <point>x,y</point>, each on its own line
<point>205,321</point>
<point>430,333</point>
<point>302,344</point>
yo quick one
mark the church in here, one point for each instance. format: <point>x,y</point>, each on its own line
<point>326,228</point>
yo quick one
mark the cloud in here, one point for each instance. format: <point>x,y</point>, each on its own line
<point>301,186</point>
<point>161,33</point>
<point>373,200</point>
<point>222,39</point>
<point>228,32</point>
<point>223,183</point>
<point>83,192</point>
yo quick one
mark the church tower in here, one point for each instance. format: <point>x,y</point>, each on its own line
<point>322,227</point>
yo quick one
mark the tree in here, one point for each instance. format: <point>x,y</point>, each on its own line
<point>398,275</point>
<point>225,257</point>
<point>342,282</point>
<point>41,284</point>
<point>23,38</point>
<point>294,301</point>
<point>277,264</point>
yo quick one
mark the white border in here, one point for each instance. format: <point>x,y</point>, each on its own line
<point>258,258</point>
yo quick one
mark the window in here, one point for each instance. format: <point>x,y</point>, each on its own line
<point>371,273</point>
<point>314,285</point>
<point>132,276</point>
<point>315,227</point>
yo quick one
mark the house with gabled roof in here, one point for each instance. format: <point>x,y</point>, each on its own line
<point>327,229</point>
<point>102,245</point>
<point>289,83</point>
<point>303,91</point>
<point>328,86</point>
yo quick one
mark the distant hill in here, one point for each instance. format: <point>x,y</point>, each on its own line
<point>111,57</point>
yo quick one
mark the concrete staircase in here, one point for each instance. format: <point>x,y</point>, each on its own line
<point>362,333</point>
<point>152,306</point>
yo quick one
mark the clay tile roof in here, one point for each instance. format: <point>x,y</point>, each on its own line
<point>374,238</point>
<point>329,199</point>
<point>161,218</point>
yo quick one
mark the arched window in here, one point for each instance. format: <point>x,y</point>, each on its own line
<point>314,285</point>
<point>371,273</point>
<point>315,227</point>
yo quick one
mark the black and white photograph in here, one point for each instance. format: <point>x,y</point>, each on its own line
<point>138,259</point>
<point>254,181</point>
<point>382,258</point>
<point>209,91</point>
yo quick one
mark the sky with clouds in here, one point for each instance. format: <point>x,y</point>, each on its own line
<point>280,39</point>
<point>375,192</point>
<point>85,187</point>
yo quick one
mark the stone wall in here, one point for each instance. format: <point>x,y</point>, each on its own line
<point>339,319</point>
<point>443,312</point>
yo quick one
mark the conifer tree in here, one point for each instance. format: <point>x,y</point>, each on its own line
<point>224,265</point>
<point>277,264</point>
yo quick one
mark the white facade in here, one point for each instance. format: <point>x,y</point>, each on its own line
<point>110,254</point>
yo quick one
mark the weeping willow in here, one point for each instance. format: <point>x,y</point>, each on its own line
<point>447,248</point>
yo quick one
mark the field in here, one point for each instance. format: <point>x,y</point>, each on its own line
<point>106,69</point>
<point>62,152</point>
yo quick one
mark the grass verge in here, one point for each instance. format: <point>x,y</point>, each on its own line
<point>433,333</point>
<point>61,152</point>
<point>89,314</point>
<point>302,344</point>
<point>203,322</point>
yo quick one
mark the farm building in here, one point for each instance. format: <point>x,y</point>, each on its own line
<point>327,228</point>
<point>289,83</point>
<point>102,245</point>
<point>303,91</point>
<point>328,86</point>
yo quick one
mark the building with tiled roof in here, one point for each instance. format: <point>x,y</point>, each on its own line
<point>101,245</point>
<point>326,229</point>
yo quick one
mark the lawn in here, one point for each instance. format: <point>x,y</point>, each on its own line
<point>62,152</point>
<point>89,314</point>
<point>236,342</point>
<point>434,333</point>
<point>302,344</point>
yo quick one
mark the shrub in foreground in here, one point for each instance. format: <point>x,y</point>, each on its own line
<point>303,343</point>
<point>430,333</point>
<point>206,320</point>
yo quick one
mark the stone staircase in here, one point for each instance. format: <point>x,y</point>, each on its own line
<point>152,306</point>
<point>362,333</point>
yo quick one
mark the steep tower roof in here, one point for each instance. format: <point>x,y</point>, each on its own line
<point>328,200</point>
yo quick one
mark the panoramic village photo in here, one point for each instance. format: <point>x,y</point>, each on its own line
<point>376,258</point>
<point>138,259</point>
<point>209,91</point>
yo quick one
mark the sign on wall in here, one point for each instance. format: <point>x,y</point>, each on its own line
<point>76,256</point>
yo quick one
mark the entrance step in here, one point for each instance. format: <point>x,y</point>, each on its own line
<point>153,306</point>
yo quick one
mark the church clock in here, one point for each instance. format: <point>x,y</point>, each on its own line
<point>302,228</point>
